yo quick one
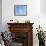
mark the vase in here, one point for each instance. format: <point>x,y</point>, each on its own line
<point>41,43</point>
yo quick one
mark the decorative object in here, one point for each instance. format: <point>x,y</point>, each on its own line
<point>20,10</point>
<point>7,38</point>
<point>27,21</point>
<point>1,40</point>
<point>41,36</point>
<point>13,21</point>
<point>45,35</point>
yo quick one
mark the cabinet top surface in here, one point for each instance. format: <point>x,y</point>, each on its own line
<point>19,23</point>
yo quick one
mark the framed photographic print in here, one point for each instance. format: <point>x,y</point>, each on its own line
<point>20,10</point>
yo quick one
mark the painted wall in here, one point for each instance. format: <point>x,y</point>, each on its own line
<point>43,6</point>
<point>0,15</point>
<point>43,14</point>
<point>34,14</point>
<point>33,10</point>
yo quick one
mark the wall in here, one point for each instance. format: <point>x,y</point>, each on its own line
<point>0,15</point>
<point>43,6</point>
<point>43,14</point>
<point>34,14</point>
<point>33,10</point>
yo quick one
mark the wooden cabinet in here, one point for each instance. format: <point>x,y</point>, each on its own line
<point>22,33</point>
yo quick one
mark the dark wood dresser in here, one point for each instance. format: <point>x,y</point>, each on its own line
<point>22,33</point>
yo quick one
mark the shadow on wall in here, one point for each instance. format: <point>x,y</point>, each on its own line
<point>43,6</point>
<point>0,15</point>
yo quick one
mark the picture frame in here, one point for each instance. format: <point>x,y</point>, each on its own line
<point>20,10</point>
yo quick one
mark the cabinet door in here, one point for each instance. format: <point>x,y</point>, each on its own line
<point>20,37</point>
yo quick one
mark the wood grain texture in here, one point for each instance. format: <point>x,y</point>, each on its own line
<point>23,27</point>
